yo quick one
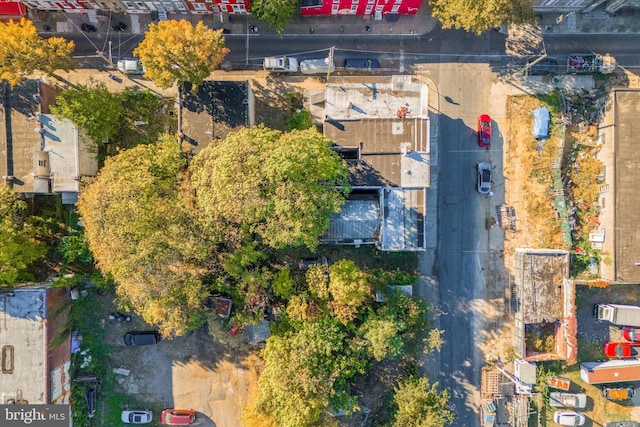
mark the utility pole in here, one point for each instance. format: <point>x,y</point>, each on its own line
<point>330,62</point>
<point>246,60</point>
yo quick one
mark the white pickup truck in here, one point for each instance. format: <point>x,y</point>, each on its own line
<point>280,64</point>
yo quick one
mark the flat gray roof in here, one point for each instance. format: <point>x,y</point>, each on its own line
<point>23,315</point>
<point>539,279</point>
<point>627,203</point>
<point>357,220</point>
<point>404,219</point>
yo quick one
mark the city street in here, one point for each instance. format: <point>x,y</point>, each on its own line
<point>464,67</point>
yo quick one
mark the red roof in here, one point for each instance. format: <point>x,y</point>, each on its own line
<point>12,10</point>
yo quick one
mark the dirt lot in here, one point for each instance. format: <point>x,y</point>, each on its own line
<point>527,180</point>
<point>193,371</point>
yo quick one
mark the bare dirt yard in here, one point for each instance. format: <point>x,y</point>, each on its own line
<point>527,171</point>
<point>211,376</point>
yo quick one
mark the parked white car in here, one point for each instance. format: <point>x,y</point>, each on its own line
<point>569,418</point>
<point>136,416</point>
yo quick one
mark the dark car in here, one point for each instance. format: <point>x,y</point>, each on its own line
<point>88,28</point>
<point>484,131</point>
<point>120,26</point>
<point>138,338</point>
<point>91,397</point>
<point>362,64</point>
<point>544,67</point>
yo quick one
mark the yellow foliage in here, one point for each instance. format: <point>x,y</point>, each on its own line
<point>176,51</point>
<point>23,51</point>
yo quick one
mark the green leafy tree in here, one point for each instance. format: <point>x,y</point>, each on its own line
<point>75,247</point>
<point>91,107</point>
<point>143,118</point>
<point>383,337</point>
<point>300,119</point>
<point>138,226</point>
<point>420,404</point>
<point>347,283</point>
<point>279,188</point>
<point>480,16</point>
<point>275,13</point>
<point>19,245</point>
<point>305,372</point>
<point>23,51</point>
<point>176,51</point>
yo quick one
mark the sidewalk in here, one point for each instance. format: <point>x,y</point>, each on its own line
<point>594,22</point>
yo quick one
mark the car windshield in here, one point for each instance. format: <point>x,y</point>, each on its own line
<point>633,334</point>
<point>620,351</point>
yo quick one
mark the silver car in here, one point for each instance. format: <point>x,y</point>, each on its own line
<point>484,177</point>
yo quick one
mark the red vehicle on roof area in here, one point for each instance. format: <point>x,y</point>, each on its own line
<point>621,349</point>
<point>178,417</point>
<point>631,333</point>
<point>484,131</point>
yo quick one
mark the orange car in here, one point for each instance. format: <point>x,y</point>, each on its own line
<point>178,417</point>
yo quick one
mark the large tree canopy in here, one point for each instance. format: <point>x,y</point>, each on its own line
<point>305,371</point>
<point>276,13</point>
<point>18,243</point>
<point>23,51</point>
<point>420,404</point>
<point>139,230</point>
<point>176,51</point>
<point>479,16</point>
<point>279,187</point>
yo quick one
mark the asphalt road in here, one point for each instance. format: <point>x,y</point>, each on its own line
<point>463,238</point>
<point>438,46</point>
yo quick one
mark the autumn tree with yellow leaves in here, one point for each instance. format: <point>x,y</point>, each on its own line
<point>23,51</point>
<point>479,16</point>
<point>176,51</point>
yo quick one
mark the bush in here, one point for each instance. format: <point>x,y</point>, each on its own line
<point>300,120</point>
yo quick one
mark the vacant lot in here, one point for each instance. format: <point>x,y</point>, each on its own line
<point>193,371</point>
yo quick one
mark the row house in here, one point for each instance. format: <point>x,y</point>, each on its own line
<point>230,7</point>
<point>11,10</point>
<point>374,8</point>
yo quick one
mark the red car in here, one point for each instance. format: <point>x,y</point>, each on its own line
<point>484,131</point>
<point>621,349</point>
<point>631,333</point>
<point>178,417</point>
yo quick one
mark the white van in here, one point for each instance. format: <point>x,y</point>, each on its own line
<point>282,64</point>
<point>317,66</point>
<point>130,66</point>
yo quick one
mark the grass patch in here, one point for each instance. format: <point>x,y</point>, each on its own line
<point>589,350</point>
<point>85,316</point>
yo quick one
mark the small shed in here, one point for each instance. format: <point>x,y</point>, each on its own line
<point>257,333</point>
